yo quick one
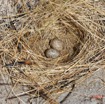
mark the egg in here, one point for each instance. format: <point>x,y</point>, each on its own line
<point>56,44</point>
<point>52,53</point>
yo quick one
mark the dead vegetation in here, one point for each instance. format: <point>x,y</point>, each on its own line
<point>23,41</point>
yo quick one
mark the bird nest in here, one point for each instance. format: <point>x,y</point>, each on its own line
<point>78,24</point>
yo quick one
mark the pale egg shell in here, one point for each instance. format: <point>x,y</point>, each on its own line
<point>56,44</point>
<point>52,53</point>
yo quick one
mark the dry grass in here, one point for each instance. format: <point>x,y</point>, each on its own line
<point>78,23</point>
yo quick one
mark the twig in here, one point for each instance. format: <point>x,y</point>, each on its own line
<point>73,86</point>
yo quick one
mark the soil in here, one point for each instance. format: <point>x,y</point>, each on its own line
<point>84,93</point>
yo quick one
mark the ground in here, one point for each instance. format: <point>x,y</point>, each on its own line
<point>84,93</point>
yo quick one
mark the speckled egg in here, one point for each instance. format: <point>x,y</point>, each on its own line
<point>52,53</point>
<point>56,44</point>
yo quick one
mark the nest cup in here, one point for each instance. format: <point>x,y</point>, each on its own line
<point>73,24</point>
<point>71,42</point>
